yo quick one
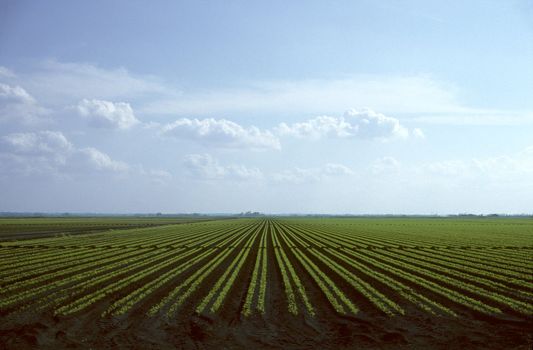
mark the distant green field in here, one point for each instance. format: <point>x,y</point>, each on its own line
<point>31,227</point>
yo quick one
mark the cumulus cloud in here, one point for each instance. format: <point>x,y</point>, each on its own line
<point>303,175</point>
<point>418,133</point>
<point>204,166</point>
<point>385,165</point>
<point>332,169</point>
<point>6,72</point>
<point>317,127</point>
<point>106,114</point>
<point>369,124</point>
<point>101,161</point>
<point>37,143</point>
<point>221,132</point>
<point>355,123</point>
<point>50,152</point>
<point>14,94</point>
<point>18,106</point>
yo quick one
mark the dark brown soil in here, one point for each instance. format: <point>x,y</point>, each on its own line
<point>190,331</point>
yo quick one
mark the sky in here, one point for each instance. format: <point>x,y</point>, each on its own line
<point>334,107</point>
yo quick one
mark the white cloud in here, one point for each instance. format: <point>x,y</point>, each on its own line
<point>317,127</point>
<point>418,133</point>
<point>50,152</point>
<point>6,72</point>
<point>101,161</point>
<point>37,143</point>
<point>65,83</point>
<point>447,168</point>
<point>477,117</point>
<point>333,169</point>
<point>508,170</point>
<point>400,94</point>
<point>18,106</point>
<point>107,114</point>
<point>304,175</point>
<point>355,123</point>
<point>385,165</point>
<point>421,98</point>
<point>204,166</point>
<point>370,124</point>
<point>221,132</point>
<point>503,167</point>
<point>10,94</point>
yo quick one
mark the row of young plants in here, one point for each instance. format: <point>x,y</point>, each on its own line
<point>21,272</point>
<point>402,272</point>
<point>408,266</point>
<point>130,300</point>
<point>458,281</point>
<point>174,237</point>
<point>256,293</point>
<point>53,262</point>
<point>56,268</point>
<point>338,238</point>
<point>454,283</point>
<point>423,267</point>
<point>340,302</point>
<point>15,257</point>
<point>29,261</point>
<point>371,236</point>
<point>496,273</point>
<point>403,290</point>
<point>120,280</point>
<point>497,278</point>
<point>47,285</point>
<point>435,235</point>
<point>81,285</point>
<point>195,236</point>
<point>218,293</point>
<point>123,304</point>
<point>174,299</point>
<point>126,303</point>
<point>502,261</point>
<point>377,298</point>
<point>479,233</point>
<point>294,289</point>
<point>63,274</point>
<point>146,236</point>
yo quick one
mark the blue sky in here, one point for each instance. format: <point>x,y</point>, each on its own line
<point>330,107</point>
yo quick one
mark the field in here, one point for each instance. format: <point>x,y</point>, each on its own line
<point>25,228</point>
<point>272,283</point>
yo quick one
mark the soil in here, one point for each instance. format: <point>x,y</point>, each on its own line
<point>230,331</point>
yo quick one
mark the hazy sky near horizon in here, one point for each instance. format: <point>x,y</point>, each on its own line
<point>279,106</point>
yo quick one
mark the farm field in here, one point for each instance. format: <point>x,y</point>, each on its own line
<point>33,227</point>
<point>273,283</point>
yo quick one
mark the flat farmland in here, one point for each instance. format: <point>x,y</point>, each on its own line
<point>38,227</point>
<point>274,283</point>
